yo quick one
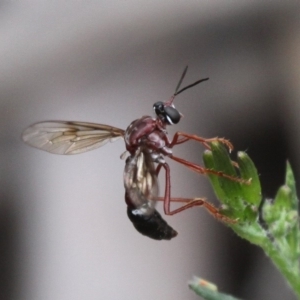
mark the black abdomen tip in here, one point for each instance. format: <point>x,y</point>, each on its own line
<point>153,226</point>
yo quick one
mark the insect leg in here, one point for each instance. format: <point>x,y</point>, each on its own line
<point>189,202</point>
<point>203,170</point>
<point>182,137</point>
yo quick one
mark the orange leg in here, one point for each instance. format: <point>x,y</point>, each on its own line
<point>203,170</point>
<point>189,202</point>
<point>182,137</point>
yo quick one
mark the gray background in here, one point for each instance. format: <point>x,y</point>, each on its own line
<point>64,233</point>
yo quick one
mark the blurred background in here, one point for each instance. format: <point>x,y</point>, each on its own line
<point>64,232</point>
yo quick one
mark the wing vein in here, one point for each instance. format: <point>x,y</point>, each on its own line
<point>61,137</point>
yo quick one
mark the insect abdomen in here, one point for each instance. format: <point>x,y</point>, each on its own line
<point>153,225</point>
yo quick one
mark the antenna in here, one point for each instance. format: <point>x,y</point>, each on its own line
<point>191,85</point>
<point>170,101</point>
<point>181,79</point>
<point>187,87</point>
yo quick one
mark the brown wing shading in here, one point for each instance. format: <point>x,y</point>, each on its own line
<point>63,137</point>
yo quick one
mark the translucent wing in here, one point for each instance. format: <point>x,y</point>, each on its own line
<point>63,137</point>
<point>140,180</point>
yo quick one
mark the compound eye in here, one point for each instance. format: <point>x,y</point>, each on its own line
<point>159,108</point>
<point>172,115</point>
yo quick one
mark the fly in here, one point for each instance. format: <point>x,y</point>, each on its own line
<point>147,144</point>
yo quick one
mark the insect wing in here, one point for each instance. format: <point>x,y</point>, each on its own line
<point>146,178</point>
<point>63,137</point>
<point>140,179</point>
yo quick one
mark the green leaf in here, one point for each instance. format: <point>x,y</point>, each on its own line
<point>208,290</point>
<point>209,163</point>
<point>223,163</point>
<point>252,192</point>
<point>290,182</point>
<point>272,225</point>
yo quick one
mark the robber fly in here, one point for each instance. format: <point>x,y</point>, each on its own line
<point>147,145</point>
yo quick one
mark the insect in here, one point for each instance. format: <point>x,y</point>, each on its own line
<point>147,144</point>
